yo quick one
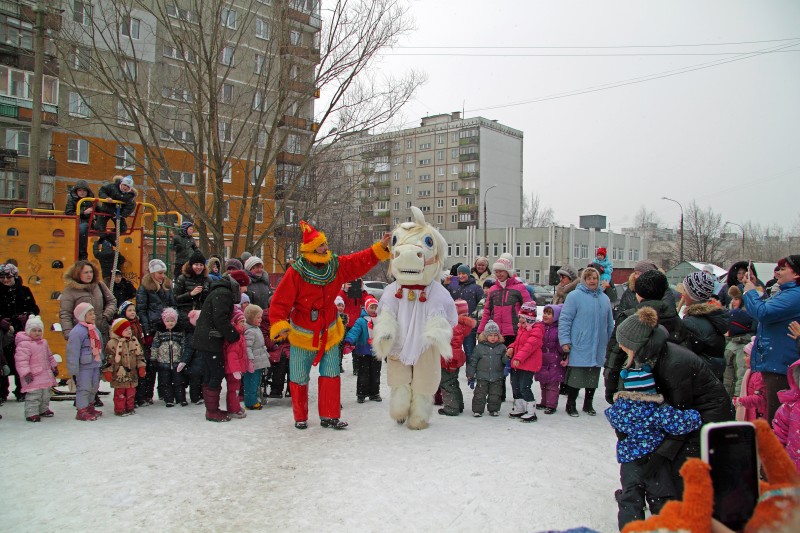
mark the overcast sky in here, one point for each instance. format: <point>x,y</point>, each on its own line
<point>725,136</point>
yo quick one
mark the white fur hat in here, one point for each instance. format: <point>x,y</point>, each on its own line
<point>34,321</point>
<point>503,263</point>
<point>156,265</point>
<point>252,261</point>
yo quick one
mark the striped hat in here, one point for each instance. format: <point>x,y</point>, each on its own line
<point>638,380</point>
<point>528,310</point>
<point>462,307</point>
<point>699,286</point>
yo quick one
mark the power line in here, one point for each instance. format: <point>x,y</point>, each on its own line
<point>390,54</point>
<point>598,47</point>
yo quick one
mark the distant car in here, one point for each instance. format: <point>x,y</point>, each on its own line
<point>375,288</point>
<point>542,295</point>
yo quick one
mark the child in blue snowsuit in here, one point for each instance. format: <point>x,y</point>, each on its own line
<point>608,267</point>
<point>642,420</point>
<point>359,340</point>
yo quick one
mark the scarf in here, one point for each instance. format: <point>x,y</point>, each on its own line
<point>94,340</point>
<point>317,275</point>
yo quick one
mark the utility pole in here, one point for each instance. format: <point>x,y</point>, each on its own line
<point>485,218</point>
<point>36,120</point>
<point>679,205</point>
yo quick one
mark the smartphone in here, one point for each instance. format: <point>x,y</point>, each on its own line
<point>730,450</point>
<point>355,289</point>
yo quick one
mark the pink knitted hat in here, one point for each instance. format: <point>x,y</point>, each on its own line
<point>749,347</point>
<point>81,309</point>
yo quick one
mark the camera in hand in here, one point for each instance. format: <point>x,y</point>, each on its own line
<point>355,290</point>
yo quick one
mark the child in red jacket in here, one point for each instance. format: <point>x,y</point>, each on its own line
<point>452,399</point>
<point>235,365</point>
<point>525,354</point>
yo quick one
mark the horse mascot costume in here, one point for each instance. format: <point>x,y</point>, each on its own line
<point>415,321</point>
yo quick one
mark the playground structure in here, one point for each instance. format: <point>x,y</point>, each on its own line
<point>43,244</point>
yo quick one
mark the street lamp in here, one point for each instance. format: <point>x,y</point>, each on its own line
<point>679,205</point>
<point>741,228</point>
<point>485,239</point>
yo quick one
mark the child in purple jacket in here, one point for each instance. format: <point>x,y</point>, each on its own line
<point>85,356</point>
<point>552,372</point>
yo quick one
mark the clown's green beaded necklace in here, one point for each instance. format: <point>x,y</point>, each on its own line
<point>317,275</point>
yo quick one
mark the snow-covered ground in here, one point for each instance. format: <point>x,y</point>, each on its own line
<point>170,470</point>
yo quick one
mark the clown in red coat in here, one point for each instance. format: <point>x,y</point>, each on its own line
<point>303,309</point>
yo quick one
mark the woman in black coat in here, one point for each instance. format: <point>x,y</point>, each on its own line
<point>191,289</point>
<point>686,382</point>
<point>16,304</point>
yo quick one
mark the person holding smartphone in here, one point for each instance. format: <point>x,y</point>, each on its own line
<point>686,382</point>
<point>774,350</point>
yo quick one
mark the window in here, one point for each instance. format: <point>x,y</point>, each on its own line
<point>409,189</point>
<point>408,205</point>
<point>227,175</point>
<point>262,28</point>
<point>440,138</point>
<point>494,245</point>
<point>126,157</point>
<point>184,178</point>
<point>527,274</point>
<point>453,218</point>
<point>295,38</point>
<point>293,144</point>
<point>440,171</point>
<point>260,62</point>
<point>440,203</point>
<point>440,155</point>
<point>228,18</point>
<point>127,69</point>
<point>423,193</point>
<point>537,276</point>
<point>82,12</point>
<point>78,151</point>
<point>259,213</point>
<point>537,249</point>
<point>409,174</point>
<point>226,56</point>
<point>18,140</point>
<point>576,251</point>
<point>81,58</point>
<point>409,144</point>
<point>409,159</point>
<point>183,14</point>
<point>440,187</point>
<point>123,115</point>
<point>425,146</point>
<point>426,161</point>
<point>254,174</point>
<point>585,251</point>
<point>425,177</point>
<point>458,250</point>
<point>177,94</point>
<point>177,135</point>
<point>527,249</point>
<point>425,208</point>
<point>440,219</point>
<point>547,249</point>
<point>226,208</point>
<point>78,107</point>
<point>454,153</point>
<point>454,170</point>
<point>129,27</point>
<point>453,202</point>
<point>396,176</point>
<point>226,93</point>
<point>454,186</point>
<point>397,191</point>
<point>518,252</point>
<point>454,138</point>
<point>225,132</point>
<point>259,101</point>
<point>505,245</point>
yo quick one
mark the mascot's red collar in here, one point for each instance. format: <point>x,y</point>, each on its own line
<point>411,295</point>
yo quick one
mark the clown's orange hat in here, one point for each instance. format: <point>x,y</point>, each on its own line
<point>312,238</point>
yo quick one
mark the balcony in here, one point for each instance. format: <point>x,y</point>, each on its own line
<point>299,123</point>
<point>303,52</point>
<point>464,224</point>
<point>301,16</point>
<point>468,175</point>
<point>381,216</point>
<point>384,183</point>
<point>285,192</point>
<point>289,158</point>
<point>14,57</point>
<point>22,110</point>
<point>467,192</point>
<point>468,157</point>
<point>469,208</point>
<point>303,87</point>
<point>289,231</point>
<point>47,167</point>
<point>383,198</point>
<point>367,184</point>
<point>465,141</point>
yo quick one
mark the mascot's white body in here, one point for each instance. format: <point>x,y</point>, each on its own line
<point>415,321</point>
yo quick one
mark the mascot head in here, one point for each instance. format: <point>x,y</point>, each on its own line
<point>418,251</point>
<point>312,241</point>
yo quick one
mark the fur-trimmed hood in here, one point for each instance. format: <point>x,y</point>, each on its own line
<point>702,309</point>
<point>70,275</point>
<point>638,396</point>
<point>150,284</point>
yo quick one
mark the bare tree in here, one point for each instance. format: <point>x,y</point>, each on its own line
<point>645,218</point>
<point>534,214</point>
<point>225,92</point>
<point>703,241</point>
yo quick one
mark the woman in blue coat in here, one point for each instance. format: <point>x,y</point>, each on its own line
<point>584,327</point>
<point>774,350</point>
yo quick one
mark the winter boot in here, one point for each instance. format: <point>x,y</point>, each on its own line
<point>299,402</point>
<point>572,397</point>
<point>530,412</point>
<point>33,418</point>
<point>587,402</point>
<point>211,399</point>
<point>85,416</point>
<point>330,408</point>
<point>333,423</point>
<point>518,410</point>
<point>95,412</point>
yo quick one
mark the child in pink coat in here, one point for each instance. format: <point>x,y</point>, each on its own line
<point>786,423</point>
<point>752,401</point>
<point>235,365</point>
<point>37,368</point>
<point>525,354</point>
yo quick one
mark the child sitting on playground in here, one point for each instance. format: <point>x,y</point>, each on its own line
<point>121,189</point>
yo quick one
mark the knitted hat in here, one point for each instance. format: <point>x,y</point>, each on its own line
<point>481,259</point>
<point>81,309</point>
<point>244,299</point>
<point>638,379</point>
<point>156,265</point>
<point>463,269</point>
<point>652,285</point>
<point>194,314</point>
<point>635,331</point>
<point>338,301</point>
<point>240,277</point>
<point>169,313</point>
<point>125,306</point>
<point>462,307</point>
<point>252,261</point>
<point>644,265</point>
<point>197,257</point>
<point>312,238</point>
<point>245,256</point>
<point>233,264</point>
<point>237,316</point>
<point>34,321</point>
<point>9,269</point>
<point>749,347</point>
<point>528,310</point>
<point>491,328</point>
<point>708,268</point>
<point>569,271</point>
<point>370,300</point>
<point>127,180</point>
<point>503,264</point>
<point>119,326</point>
<point>602,251</point>
<point>699,286</point>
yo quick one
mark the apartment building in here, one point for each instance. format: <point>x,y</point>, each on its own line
<point>447,167</point>
<point>136,95</point>
<point>16,104</point>
<point>535,250</point>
